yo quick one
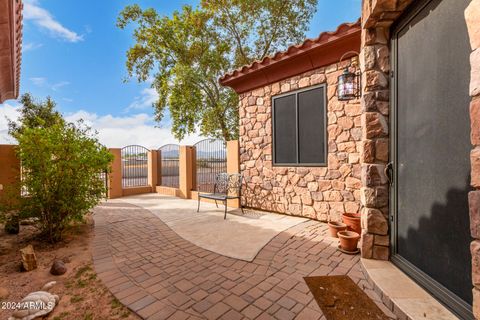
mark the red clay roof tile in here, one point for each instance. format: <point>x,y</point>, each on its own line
<point>325,49</point>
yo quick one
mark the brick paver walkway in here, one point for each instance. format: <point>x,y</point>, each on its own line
<point>159,275</point>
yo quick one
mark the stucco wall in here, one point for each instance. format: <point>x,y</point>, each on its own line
<point>315,192</point>
<point>10,169</point>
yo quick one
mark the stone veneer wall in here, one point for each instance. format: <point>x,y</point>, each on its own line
<point>472,17</point>
<point>377,16</point>
<point>316,192</point>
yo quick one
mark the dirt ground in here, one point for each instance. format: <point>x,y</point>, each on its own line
<point>82,295</point>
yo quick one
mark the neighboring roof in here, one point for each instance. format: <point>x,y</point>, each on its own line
<point>10,48</point>
<point>311,54</point>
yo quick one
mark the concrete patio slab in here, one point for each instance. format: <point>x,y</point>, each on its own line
<point>407,298</point>
<point>240,236</point>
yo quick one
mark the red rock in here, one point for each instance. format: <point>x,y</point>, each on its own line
<point>475,121</point>
<point>367,151</point>
<point>475,251</point>
<point>475,165</point>
<point>383,58</point>
<point>375,80</point>
<point>472,17</point>
<point>382,240</point>
<point>58,268</point>
<point>368,197</point>
<point>373,175</point>
<point>380,253</point>
<point>474,205</point>
<point>381,149</point>
<point>367,245</point>
<point>376,222</point>
<point>374,125</point>
<point>29,260</point>
<point>475,73</point>
<point>476,303</point>
<point>368,102</point>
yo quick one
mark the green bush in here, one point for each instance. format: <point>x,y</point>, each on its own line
<point>61,166</point>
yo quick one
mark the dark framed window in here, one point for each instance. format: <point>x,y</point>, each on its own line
<point>299,127</point>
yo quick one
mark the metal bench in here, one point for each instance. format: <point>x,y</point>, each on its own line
<point>227,186</point>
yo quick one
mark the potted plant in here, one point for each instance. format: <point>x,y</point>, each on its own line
<point>348,240</point>
<point>352,220</point>
<point>334,227</point>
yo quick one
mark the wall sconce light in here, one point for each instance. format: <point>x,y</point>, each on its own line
<point>348,87</point>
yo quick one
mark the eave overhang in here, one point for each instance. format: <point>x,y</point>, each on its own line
<point>327,49</point>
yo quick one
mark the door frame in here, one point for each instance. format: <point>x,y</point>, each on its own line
<point>442,294</point>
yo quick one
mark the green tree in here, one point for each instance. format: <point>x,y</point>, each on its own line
<point>186,53</point>
<point>61,163</point>
<point>34,114</point>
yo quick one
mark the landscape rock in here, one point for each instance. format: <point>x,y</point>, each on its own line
<point>12,226</point>
<point>58,268</point>
<point>34,305</point>
<point>29,260</point>
<point>49,285</point>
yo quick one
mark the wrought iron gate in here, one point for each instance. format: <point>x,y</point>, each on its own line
<point>103,176</point>
<point>134,166</point>
<point>168,160</point>
<point>211,159</point>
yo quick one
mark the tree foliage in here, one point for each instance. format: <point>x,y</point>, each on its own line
<point>35,115</point>
<point>60,163</point>
<point>185,54</point>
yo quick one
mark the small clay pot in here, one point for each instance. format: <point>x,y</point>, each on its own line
<point>335,227</point>
<point>348,240</point>
<point>352,220</point>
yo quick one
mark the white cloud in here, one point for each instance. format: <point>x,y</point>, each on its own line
<point>144,101</point>
<point>30,46</point>
<point>7,111</point>
<point>38,81</point>
<point>43,82</point>
<point>44,19</point>
<point>59,85</point>
<point>113,131</point>
<point>116,132</point>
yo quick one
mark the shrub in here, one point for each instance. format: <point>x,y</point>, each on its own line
<point>61,163</point>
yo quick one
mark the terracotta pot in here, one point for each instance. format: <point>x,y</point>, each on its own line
<point>335,227</point>
<point>352,220</point>
<point>348,240</point>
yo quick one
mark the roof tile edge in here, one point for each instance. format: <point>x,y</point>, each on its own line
<point>324,38</point>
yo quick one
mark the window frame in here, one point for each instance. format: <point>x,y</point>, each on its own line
<point>325,120</point>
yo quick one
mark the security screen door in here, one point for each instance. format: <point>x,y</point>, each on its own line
<point>430,150</point>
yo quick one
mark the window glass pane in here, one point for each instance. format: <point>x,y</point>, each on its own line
<point>285,131</point>
<point>311,127</point>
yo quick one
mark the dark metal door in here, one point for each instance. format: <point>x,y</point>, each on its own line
<point>430,150</point>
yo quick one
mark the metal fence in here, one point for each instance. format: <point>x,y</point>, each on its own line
<point>103,176</point>
<point>134,166</point>
<point>211,158</point>
<point>169,160</point>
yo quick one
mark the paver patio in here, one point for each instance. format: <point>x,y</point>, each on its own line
<point>240,236</point>
<point>159,275</point>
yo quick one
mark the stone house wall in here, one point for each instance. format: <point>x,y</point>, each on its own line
<point>315,192</point>
<point>377,17</point>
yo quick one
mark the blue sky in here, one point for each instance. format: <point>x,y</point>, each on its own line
<point>73,52</point>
